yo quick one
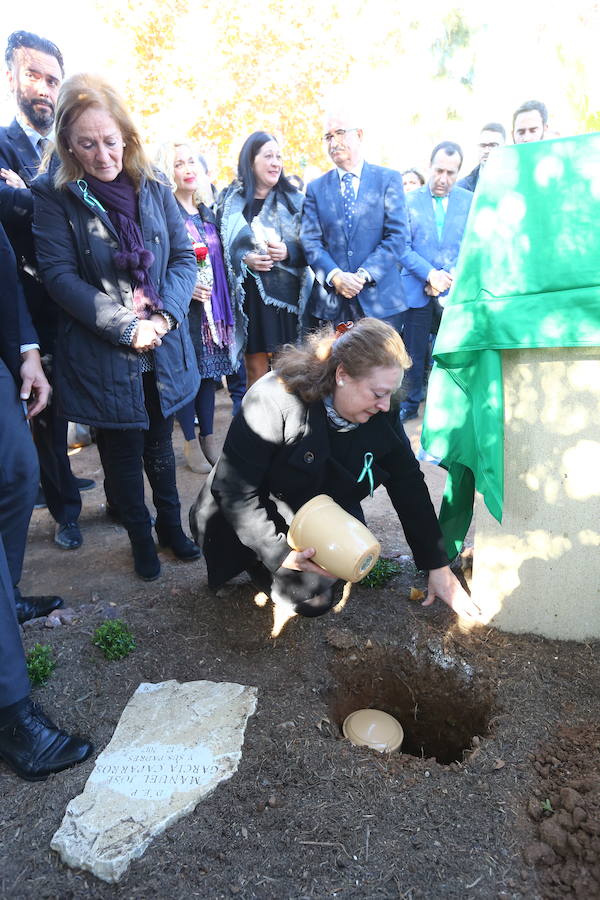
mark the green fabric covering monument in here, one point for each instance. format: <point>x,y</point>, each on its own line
<point>528,275</point>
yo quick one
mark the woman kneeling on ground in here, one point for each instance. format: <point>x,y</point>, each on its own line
<point>309,427</point>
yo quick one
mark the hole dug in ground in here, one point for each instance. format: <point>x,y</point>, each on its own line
<point>441,706</point>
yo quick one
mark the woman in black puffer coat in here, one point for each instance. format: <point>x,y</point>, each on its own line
<point>114,255</point>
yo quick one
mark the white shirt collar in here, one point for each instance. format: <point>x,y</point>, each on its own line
<point>357,170</point>
<point>31,133</point>
<point>444,200</point>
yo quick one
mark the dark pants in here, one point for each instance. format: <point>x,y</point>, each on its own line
<point>397,321</point>
<point>203,406</point>
<point>58,482</point>
<point>236,383</point>
<point>352,312</point>
<point>19,475</point>
<point>417,327</point>
<point>125,454</point>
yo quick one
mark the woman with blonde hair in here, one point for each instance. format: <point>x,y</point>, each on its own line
<point>321,422</point>
<point>211,318</point>
<point>114,255</point>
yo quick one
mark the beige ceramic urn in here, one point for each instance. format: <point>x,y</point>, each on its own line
<point>343,545</point>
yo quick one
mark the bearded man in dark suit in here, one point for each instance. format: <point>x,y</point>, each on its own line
<point>35,72</point>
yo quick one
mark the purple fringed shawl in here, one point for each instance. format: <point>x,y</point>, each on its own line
<point>219,302</point>
<point>120,200</point>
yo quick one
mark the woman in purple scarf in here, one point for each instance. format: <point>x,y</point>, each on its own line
<point>211,318</point>
<point>114,255</point>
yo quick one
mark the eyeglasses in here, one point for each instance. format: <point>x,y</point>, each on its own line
<point>491,146</point>
<point>339,135</point>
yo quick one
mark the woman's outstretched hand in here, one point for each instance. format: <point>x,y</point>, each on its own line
<point>300,561</point>
<point>444,584</point>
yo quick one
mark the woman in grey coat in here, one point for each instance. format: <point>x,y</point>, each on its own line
<point>114,256</point>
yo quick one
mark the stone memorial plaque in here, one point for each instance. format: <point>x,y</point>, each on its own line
<point>172,746</point>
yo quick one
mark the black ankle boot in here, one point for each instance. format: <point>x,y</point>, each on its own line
<point>145,558</point>
<point>172,536</point>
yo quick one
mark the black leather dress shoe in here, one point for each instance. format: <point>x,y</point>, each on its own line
<point>85,484</point>
<point>68,536</point>
<point>34,607</point>
<point>34,747</point>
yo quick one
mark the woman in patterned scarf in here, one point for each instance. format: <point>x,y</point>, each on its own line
<point>259,216</point>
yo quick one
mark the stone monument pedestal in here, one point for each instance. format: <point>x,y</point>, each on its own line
<point>539,571</point>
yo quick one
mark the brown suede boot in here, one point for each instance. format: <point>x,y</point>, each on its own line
<point>210,448</point>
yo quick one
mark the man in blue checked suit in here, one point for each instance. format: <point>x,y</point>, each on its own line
<point>437,215</point>
<point>353,232</point>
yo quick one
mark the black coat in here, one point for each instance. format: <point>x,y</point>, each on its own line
<point>17,328</point>
<point>278,454</point>
<point>16,214</point>
<point>469,182</point>
<point>97,379</point>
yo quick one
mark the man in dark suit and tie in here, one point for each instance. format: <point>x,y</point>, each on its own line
<point>35,71</point>
<point>437,215</point>
<point>29,742</point>
<point>353,232</point>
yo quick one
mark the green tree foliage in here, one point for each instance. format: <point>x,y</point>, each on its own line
<point>232,68</point>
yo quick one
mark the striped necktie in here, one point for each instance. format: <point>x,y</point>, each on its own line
<point>41,146</point>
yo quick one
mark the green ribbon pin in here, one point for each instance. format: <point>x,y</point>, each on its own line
<point>366,472</point>
<point>89,198</point>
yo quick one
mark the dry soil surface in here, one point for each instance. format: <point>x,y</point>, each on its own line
<point>496,792</point>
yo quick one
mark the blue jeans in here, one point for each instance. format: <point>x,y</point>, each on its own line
<point>417,327</point>
<point>202,406</point>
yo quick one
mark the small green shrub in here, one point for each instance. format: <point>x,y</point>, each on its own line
<point>382,571</point>
<point>114,638</point>
<point>40,663</point>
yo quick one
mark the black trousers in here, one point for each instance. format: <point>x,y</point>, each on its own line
<point>19,475</point>
<point>58,482</point>
<point>126,453</point>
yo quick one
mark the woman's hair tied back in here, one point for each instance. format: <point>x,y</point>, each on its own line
<point>309,370</point>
